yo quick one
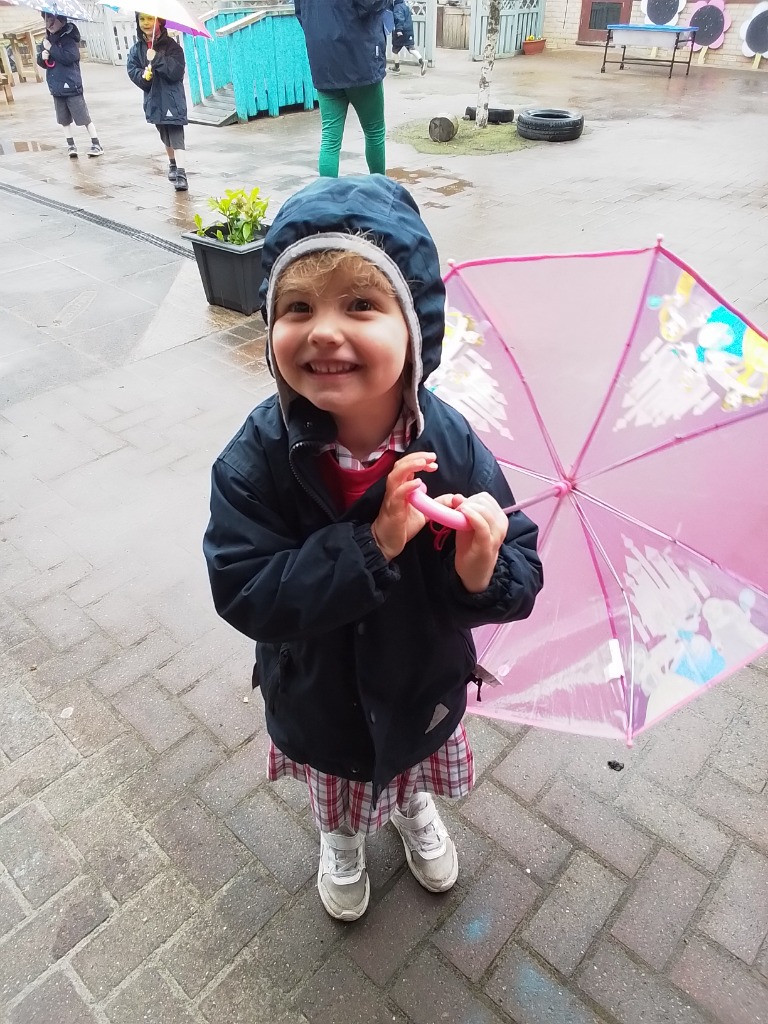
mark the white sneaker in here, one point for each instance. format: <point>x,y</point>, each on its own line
<point>429,849</point>
<point>342,880</point>
<point>423,66</point>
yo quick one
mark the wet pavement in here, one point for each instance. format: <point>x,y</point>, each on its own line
<point>150,874</point>
<point>685,157</point>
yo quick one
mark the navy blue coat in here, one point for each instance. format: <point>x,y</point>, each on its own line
<point>356,657</point>
<point>403,31</point>
<point>164,99</point>
<point>64,78</point>
<point>346,43</point>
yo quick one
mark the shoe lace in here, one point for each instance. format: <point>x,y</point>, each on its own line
<point>343,863</point>
<point>431,838</point>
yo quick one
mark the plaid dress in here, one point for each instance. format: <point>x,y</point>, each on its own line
<point>449,772</point>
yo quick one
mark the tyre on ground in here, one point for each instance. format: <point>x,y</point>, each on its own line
<point>545,124</point>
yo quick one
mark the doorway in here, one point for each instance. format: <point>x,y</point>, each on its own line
<point>597,14</point>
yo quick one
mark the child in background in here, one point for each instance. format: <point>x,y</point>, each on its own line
<point>59,56</point>
<point>362,617</point>
<point>156,65</point>
<point>402,35</point>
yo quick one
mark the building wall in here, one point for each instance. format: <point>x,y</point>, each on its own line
<point>561,29</point>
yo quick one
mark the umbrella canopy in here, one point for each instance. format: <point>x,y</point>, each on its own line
<point>74,10</point>
<point>627,402</point>
<point>173,12</point>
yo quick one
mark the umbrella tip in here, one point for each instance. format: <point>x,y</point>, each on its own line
<point>659,239</point>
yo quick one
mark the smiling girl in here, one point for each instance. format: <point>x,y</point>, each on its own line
<point>362,617</point>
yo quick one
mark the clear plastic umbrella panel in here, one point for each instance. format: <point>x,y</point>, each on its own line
<point>75,10</point>
<point>626,402</point>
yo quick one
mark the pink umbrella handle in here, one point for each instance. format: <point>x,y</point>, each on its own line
<point>438,513</point>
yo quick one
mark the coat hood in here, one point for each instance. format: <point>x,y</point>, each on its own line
<point>377,218</point>
<point>69,28</point>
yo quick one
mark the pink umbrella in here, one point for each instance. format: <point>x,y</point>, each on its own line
<point>626,401</point>
<point>173,12</point>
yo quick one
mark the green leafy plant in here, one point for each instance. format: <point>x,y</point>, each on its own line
<point>243,215</point>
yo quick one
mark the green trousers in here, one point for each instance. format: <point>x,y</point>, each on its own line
<point>368,101</point>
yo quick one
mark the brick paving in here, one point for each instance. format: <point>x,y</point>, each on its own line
<point>149,872</point>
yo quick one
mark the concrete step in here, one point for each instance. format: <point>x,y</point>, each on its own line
<point>217,110</point>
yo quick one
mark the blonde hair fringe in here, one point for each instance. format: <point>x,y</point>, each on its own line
<point>311,272</point>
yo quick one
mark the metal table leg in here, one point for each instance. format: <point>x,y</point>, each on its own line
<point>674,54</point>
<point>608,38</point>
<point>690,55</point>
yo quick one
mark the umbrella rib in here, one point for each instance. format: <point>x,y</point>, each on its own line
<point>672,442</point>
<point>454,269</point>
<point>526,387</point>
<point>708,287</point>
<point>620,365</point>
<point>526,472</point>
<point>595,547</point>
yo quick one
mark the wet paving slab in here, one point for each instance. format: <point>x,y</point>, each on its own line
<point>77,298</point>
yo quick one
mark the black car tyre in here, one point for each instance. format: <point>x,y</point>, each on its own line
<point>545,124</point>
<point>496,115</point>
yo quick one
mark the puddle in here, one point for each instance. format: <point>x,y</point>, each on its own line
<point>437,180</point>
<point>8,146</point>
<point>406,177</point>
<point>93,191</point>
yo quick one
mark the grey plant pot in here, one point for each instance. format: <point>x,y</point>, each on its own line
<point>231,274</point>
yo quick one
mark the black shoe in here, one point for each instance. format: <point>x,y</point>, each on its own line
<point>180,182</point>
<point>72,150</point>
<point>172,172</point>
<point>95,149</point>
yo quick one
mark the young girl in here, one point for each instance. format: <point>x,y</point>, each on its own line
<point>362,616</point>
<point>156,65</point>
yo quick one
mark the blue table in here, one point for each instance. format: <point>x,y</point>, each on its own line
<point>662,37</point>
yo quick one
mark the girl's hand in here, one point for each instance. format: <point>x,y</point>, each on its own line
<point>477,550</point>
<point>398,521</point>
<point>150,54</point>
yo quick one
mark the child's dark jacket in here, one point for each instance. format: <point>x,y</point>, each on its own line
<point>403,31</point>
<point>63,78</point>
<point>164,99</point>
<point>363,664</point>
